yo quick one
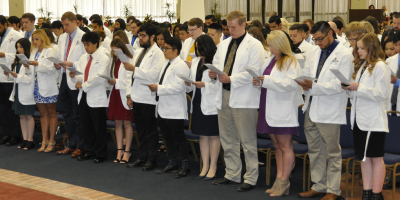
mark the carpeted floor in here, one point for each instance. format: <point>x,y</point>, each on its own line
<point>13,192</point>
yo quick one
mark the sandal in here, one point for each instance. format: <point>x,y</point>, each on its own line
<point>118,160</point>
<point>126,161</point>
<point>50,147</point>
<point>30,145</point>
<point>23,144</point>
<point>43,148</point>
<point>162,149</point>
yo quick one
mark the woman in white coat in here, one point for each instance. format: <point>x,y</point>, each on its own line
<point>369,91</point>
<point>23,102</point>
<point>118,110</point>
<point>279,101</point>
<point>46,90</point>
<point>203,109</point>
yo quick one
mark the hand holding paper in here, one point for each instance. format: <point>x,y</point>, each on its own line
<point>23,58</point>
<point>252,73</point>
<point>213,68</point>
<point>340,76</point>
<point>74,70</point>
<point>121,56</point>
<point>106,77</point>
<point>54,60</point>
<point>5,68</point>
<point>185,78</point>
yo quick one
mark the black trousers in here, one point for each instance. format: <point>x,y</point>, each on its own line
<point>172,132</point>
<point>69,102</point>
<point>94,126</point>
<point>146,127</point>
<point>9,121</point>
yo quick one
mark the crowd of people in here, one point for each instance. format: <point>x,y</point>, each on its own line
<point>244,79</point>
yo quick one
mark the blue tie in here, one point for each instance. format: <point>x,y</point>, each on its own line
<point>133,40</point>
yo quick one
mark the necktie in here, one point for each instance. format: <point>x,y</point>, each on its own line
<point>231,56</point>
<point>139,61</point>
<point>88,68</point>
<point>321,62</point>
<point>189,58</point>
<point>162,78</point>
<point>393,99</point>
<point>68,48</point>
<point>133,40</point>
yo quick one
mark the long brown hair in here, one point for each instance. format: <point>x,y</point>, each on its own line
<point>256,32</point>
<point>118,43</point>
<point>26,45</point>
<point>375,53</point>
<point>121,34</point>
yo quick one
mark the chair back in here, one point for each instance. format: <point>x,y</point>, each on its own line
<point>346,133</point>
<point>393,137</point>
<point>188,122</point>
<point>302,137</point>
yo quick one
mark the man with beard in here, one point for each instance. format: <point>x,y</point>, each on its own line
<point>146,70</point>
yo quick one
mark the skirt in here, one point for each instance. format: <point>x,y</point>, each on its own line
<point>40,99</point>
<point>20,109</point>
<point>376,143</point>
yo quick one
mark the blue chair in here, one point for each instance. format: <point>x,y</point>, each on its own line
<point>111,130</point>
<point>347,144</point>
<point>191,138</point>
<point>264,146</point>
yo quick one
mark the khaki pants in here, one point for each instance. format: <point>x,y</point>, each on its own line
<point>325,155</point>
<point>237,126</point>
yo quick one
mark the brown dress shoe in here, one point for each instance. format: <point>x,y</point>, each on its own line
<point>65,151</point>
<point>309,194</point>
<point>77,153</point>
<point>330,196</point>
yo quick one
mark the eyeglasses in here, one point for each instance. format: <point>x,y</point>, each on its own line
<point>165,48</point>
<point>352,40</point>
<point>321,39</point>
<point>142,35</point>
<point>192,30</point>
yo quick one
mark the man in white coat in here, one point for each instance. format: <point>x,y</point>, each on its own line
<point>394,64</point>
<point>325,110</point>
<point>70,49</point>
<point>134,39</point>
<point>296,33</point>
<point>195,28</point>
<point>106,30</point>
<point>237,101</point>
<point>9,121</point>
<point>146,69</point>
<point>28,22</point>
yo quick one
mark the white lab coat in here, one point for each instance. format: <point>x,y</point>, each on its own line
<point>8,48</point>
<point>207,93</point>
<point>284,95</point>
<point>369,101</point>
<point>147,73</point>
<point>76,51</point>
<point>136,44</point>
<point>109,35</point>
<point>329,101</point>
<point>250,54</point>
<point>393,64</point>
<point>106,44</point>
<point>24,79</point>
<point>186,48</point>
<point>172,102</point>
<point>45,72</point>
<point>305,48</point>
<point>96,95</point>
<point>121,83</point>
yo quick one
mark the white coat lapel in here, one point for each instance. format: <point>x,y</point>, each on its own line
<point>332,59</point>
<point>315,62</point>
<point>243,47</point>
<point>224,50</point>
<point>75,41</point>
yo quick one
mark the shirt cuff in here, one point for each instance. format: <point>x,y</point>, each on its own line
<point>397,83</point>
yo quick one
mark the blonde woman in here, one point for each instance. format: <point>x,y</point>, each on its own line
<point>278,109</point>
<point>285,25</point>
<point>370,90</point>
<point>46,90</point>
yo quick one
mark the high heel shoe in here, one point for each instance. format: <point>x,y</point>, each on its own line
<point>377,196</point>
<point>282,189</point>
<point>274,186</point>
<point>29,145</point>
<point>43,147</point>
<point>50,147</point>
<point>23,144</point>
<point>118,160</point>
<point>367,194</point>
<point>126,161</point>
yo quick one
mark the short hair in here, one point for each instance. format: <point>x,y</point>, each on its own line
<point>85,21</point>
<point>130,18</point>
<point>98,22</point>
<point>305,27</point>
<point>175,43</point>
<point>340,19</point>
<point>46,25</point>
<point>94,16</point>
<point>338,23</point>
<point>236,15</point>
<point>368,27</point>
<point>275,19</point>
<point>183,27</point>
<point>167,25</point>
<point>79,17</point>
<point>224,22</point>
<point>354,28</point>
<point>216,26</point>
<point>85,29</point>
<point>369,7</point>
<point>122,35</point>
<point>310,21</point>
<point>212,17</point>
<point>372,20</point>
<point>41,18</point>
<point>101,33</point>
<point>321,26</point>
<point>396,37</point>
<point>121,22</point>
<point>396,15</point>
<point>137,22</point>
<point>195,22</point>
<point>14,20</point>
<point>30,16</point>
<point>274,13</point>
<point>3,20</point>
<point>50,35</point>
<point>298,27</point>
<point>91,37</point>
<point>149,29</point>
<point>57,24</point>
<point>68,15</point>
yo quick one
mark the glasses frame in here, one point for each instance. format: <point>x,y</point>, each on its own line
<point>320,40</point>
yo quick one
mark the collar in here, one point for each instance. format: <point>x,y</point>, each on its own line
<point>171,61</point>
<point>226,36</point>
<point>73,33</point>
<point>96,53</point>
<point>298,45</point>
<point>332,46</point>
<point>7,31</point>
<point>240,39</point>
<point>30,33</point>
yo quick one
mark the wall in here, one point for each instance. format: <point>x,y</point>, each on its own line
<point>358,4</point>
<point>16,7</point>
<point>192,8</point>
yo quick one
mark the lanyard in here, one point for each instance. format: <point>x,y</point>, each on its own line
<point>37,56</point>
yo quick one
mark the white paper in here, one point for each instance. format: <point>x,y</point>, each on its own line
<point>183,77</point>
<point>193,55</point>
<point>340,76</point>
<point>302,78</point>
<point>301,62</point>
<point>213,68</point>
<point>106,77</point>
<point>74,70</point>
<point>54,60</point>
<point>144,84</point>
<point>5,68</point>
<point>121,56</point>
<point>252,73</point>
<point>23,58</point>
<point>130,49</point>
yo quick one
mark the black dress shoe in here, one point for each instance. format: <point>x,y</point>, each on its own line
<point>209,178</point>
<point>137,163</point>
<point>245,187</point>
<point>149,166</point>
<point>13,141</point>
<point>201,177</point>
<point>168,169</point>
<point>99,159</point>
<point>85,157</point>
<point>222,181</point>
<point>5,139</point>
<point>182,173</point>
